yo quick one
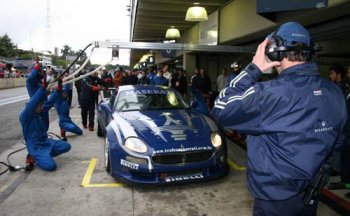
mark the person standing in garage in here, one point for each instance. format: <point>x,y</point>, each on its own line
<point>90,87</point>
<point>293,122</point>
<point>160,79</point>
<point>222,79</point>
<point>345,152</point>
<point>118,76</point>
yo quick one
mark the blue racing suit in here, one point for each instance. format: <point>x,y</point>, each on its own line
<point>33,81</point>
<point>198,102</point>
<point>65,122</point>
<point>34,130</point>
<point>157,80</point>
<point>48,104</point>
<point>292,123</point>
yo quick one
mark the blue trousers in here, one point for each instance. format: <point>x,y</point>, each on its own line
<point>71,127</point>
<point>293,206</point>
<point>43,154</point>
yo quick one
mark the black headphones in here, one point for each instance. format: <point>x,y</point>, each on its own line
<point>276,50</point>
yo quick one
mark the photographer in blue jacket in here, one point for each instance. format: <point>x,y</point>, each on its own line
<point>293,122</point>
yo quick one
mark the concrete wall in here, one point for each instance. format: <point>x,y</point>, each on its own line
<point>12,82</point>
<point>192,35</point>
<point>239,18</point>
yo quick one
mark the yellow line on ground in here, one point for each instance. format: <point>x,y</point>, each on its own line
<point>93,161</point>
<point>104,185</point>
<point>88,175</point>
<point>89,171</point>
<point>235,166</point>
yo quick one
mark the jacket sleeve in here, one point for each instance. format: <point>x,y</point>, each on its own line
<point>33,82</point>
<point>102,82</point>
<point>238,106</point>
<point>33,76</point>
<point>342,139</point>
<point>86,84</point>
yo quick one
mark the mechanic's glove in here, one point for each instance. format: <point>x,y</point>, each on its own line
<point>96,88</point>
<point>59,85</point>
<point>37,66</point>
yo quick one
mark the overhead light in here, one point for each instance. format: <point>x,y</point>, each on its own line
<point>196,13</point>
<point>169,41</point>
<point>172,32</point>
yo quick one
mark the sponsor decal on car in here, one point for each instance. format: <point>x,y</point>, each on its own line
<point>183,149</point>
<point>176,127</point>
<point>147,91</point>
<point>129,164</point>
<point>168,179</point>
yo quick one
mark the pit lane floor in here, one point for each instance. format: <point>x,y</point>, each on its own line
<point>80,186</point>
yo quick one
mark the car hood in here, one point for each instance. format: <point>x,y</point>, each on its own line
<point>162,129</point>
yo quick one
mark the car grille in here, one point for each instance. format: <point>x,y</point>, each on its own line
<point>182,157</point>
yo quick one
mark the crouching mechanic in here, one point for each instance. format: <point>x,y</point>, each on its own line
<point>65,122</point>
<point>293,122</point>
<point>34,127</point>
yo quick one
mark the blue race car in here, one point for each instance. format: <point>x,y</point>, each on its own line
<point>154,137</point>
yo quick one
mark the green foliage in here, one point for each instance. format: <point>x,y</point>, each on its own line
<point>26,56</point>
<point>7,47</point>
<point>59,61</point>
<point>67,51</point>
<point>10,50</point>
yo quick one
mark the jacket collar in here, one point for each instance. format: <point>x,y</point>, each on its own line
<point>307,69</point>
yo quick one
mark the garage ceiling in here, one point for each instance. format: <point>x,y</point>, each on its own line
<point>154,17</point>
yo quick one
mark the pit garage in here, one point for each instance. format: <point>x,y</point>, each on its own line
<point>81,186</point>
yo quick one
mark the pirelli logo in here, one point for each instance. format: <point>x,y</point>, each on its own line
<point>129,164</point>
<point>184,177</point>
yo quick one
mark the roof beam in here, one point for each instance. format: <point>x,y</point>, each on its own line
<point>174,46</point>
<point>160,25</point>
<point>149,19</point>
<point>163,7</point>
<point>216,3</point>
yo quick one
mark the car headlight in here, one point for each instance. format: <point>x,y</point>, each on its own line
<point>136,145</point>
<point>216,140</point>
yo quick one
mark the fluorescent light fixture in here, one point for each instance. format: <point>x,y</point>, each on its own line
<point>172,32</point>
<point>196,13</point>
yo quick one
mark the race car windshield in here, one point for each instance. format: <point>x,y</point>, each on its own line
<point>149,100</point>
